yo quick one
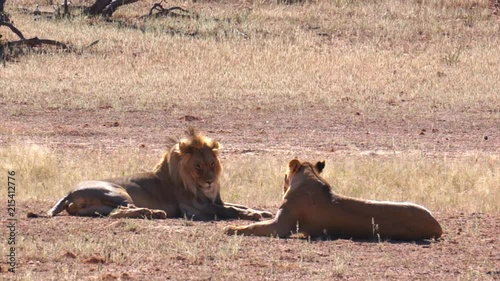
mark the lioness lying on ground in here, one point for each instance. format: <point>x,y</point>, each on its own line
<point>311,208</point>
<point>185,183</point>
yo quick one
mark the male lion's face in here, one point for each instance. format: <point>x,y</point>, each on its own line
<point>202,168</point>
<point>205,167</point>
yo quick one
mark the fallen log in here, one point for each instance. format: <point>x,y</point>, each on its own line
<point>36,42</point>
<point>31,43</point>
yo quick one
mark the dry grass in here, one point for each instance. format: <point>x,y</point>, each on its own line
<point>442,184</point>
<point>201,247</point>
<point>274,57</point>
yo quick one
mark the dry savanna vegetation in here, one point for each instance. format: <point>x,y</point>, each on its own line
<point>401,98</point>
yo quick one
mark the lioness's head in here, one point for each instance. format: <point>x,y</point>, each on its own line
<point>297,168</point>
<point>195,162</point>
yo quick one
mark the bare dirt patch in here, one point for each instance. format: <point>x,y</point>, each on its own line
<point>335,129</point>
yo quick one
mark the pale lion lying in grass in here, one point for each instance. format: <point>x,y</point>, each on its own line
<point>311,208</point>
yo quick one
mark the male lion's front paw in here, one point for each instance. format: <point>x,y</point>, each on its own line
<point>231,230</point>
<point>159,214</point>
<point>256,216</point>
<point>141,212</point>
<point>266,214</point>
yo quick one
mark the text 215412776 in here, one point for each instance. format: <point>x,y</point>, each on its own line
<point>11,220</point>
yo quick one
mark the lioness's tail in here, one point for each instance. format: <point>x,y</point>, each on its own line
<point>59,206</point>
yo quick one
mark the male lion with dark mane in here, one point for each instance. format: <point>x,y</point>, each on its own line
<point>185,183</point>
<point>311,208</point>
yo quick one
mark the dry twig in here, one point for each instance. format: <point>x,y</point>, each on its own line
<point>12,27</point>
<point>165,12</point>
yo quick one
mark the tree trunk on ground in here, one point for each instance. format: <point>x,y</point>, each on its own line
<point>2,4</point>
<point>106,7</point>
<point>97,8</point>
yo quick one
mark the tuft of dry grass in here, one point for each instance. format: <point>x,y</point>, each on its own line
<point>443,184</point>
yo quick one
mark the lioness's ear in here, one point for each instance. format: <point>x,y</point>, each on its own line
<point>294,165</point>
<point>285,184</point>
<point>320,165</point>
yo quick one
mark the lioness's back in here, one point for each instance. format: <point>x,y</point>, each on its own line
<point>396,220</point>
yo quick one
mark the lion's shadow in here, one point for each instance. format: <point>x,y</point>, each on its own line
<point>323,238</point>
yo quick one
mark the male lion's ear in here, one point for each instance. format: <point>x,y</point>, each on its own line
<point>192,132</point>
<point>185,148</point>
<point>215,146</point>
<point>320,165</point>
<point>294,165</point>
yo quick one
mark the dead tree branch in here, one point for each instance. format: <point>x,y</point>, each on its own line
<point>36,42</point>
<point>106,7</point>
<point>15,47</point>
<point>13,28</point>
<point>165,12</point>
<point>2,4</point>
<point>66,9</point>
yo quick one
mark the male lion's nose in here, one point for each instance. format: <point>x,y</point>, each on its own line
<point>209,182</point>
